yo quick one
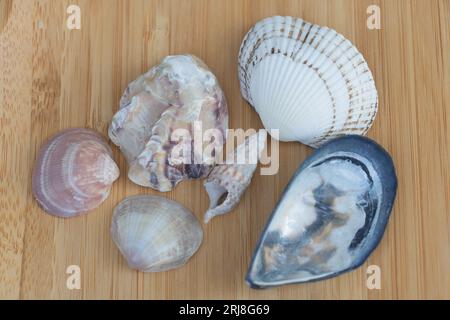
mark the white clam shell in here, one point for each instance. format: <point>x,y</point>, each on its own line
<point>227,182</point>
<point>73,172</point>
<point>306,80</point>
<point>154,233</point>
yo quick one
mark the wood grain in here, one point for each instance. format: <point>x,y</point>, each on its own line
<point>53,78</point>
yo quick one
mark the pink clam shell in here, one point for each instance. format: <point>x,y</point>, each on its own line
<point>73,172</point>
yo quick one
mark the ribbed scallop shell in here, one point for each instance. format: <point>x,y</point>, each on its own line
<point>306,80</point>
<point>227,182</point>
<point>73,173</point>
<point>154,233</point>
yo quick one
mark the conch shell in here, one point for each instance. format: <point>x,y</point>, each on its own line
<point>154,233</point>
<point>170,98</point>
<point>227,182</point>
<point>73,173</point>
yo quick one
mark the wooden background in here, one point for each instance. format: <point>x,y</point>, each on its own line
<point>52,78</point>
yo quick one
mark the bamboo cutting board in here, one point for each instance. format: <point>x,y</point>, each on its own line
<point>53,78</point>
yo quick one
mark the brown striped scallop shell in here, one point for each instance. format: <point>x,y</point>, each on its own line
<point>308,81</point>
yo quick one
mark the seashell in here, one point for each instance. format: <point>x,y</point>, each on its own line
<point>308,81</point>
<point>227,182</point>
<point>154,233</point>
<point>331,216</point>
<point>175,94</point>
<point>131,126</point>
<point>73,173</point>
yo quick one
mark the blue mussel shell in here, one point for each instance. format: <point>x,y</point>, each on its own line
<point>331,216</point>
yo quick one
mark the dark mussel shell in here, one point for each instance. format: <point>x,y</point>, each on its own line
<point>331,216</point>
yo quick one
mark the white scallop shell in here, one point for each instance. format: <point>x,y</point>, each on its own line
<point>227,182</point>
<point>154,233</point>
<point>306,80</point>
